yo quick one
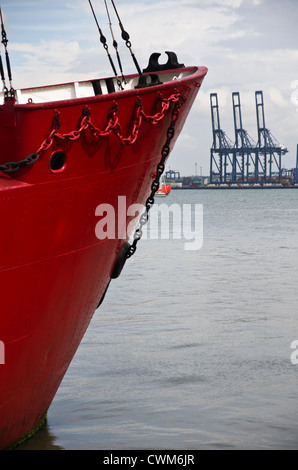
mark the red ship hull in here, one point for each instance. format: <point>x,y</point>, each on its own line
<point>53,268</point>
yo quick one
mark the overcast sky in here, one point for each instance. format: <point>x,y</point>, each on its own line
<point>247,45</point>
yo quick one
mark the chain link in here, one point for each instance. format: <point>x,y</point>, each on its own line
<point>178,100</point>
<point>9,167</point>
<point>86,123</point>
<point>114,126</point>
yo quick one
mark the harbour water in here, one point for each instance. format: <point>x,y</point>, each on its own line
<point>192,349</point>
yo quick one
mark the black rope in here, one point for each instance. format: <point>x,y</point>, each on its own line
<point>4,42</point>
<point>125,37</point>
<point>103,41</point>
<point>115,44</point>
<point>2,73</point>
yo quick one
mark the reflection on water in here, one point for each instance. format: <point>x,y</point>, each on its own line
<point>44,440</point>
<point>191,350</point>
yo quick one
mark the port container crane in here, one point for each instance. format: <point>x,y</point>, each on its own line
<point>245,147</point>
<point>222,150</point>
<point>244,161</point>
<point>268,149</point>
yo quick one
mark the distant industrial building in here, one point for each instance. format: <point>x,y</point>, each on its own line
<point>185,182</point>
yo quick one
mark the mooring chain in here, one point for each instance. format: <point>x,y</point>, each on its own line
<point>14,166</point>
<point>157,175</point>
<point>9,167</point>
<point>86,123</point>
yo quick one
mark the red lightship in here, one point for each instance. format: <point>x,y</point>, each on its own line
<point>65,149</point>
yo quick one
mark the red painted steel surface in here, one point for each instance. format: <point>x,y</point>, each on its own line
<point>53,269</point>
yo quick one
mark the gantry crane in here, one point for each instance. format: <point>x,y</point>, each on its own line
<point>268,147</point>
<point>246,154</point>
<point>244,161</point>
<point>222,152</point>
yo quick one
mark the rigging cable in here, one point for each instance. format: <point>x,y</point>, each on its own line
<point>115,44</point>
<point>4,42</point>
<point>125,36</point>
<point>2,74</point>
<point>104,42</point>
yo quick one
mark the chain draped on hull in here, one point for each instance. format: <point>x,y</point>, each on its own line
<point>114,126</point>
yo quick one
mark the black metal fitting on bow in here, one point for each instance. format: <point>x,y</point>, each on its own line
<point>171,64</point>
<point>143,81</point>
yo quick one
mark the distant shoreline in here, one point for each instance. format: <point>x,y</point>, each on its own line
<point>237,187</point>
